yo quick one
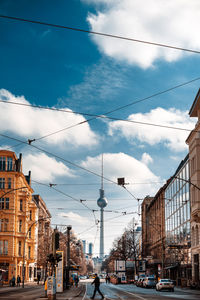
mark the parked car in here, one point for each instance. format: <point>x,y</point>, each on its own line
<point>149,282</point>
<point>140,282</point>
<point>165,284</point>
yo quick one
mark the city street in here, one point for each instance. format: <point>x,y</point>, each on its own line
<point>132,292</point>
<point>110,291</point>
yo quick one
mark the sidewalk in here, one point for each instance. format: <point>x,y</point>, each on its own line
<point>188,290</point>
<point>70,294</point>
<point>10,288</point>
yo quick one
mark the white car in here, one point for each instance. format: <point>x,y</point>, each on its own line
<point>165,284</point>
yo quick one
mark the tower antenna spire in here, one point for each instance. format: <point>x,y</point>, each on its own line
<point>102,202</point>
<point>102,171</point>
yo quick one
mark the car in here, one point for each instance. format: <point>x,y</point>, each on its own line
<point>140,282</point>
<point>165,284</point>
<point>149,282</point>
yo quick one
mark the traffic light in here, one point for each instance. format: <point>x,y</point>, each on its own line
<point>58,257</point>
<point>57,237</point>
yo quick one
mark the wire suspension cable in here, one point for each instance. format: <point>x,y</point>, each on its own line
<point>101,34</point>
<point>105,115</point>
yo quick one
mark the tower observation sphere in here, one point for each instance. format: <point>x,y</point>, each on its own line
<point>102,201</point>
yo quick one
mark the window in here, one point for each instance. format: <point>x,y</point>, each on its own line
<point>29,233</point>
<point>4,203</point>
<point>29,252</point>
<point>1,203</point>
<point>20,248</point>
<point>9,164</point>
<point>2,163</point>
<point>1,225</point>
<point>2,183</point>
<point>30,214</point>
<point>4,247</point>
<point>7,203</point>
<point>6,225</point>
<point>21,205</point>
<point>20,225</point>
<point>9,183</point>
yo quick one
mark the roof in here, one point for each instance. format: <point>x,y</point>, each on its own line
<point>195,105</point>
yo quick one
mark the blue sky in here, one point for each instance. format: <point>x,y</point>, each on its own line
<point>81,72</point>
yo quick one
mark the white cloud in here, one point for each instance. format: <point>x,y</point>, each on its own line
<point>32,123</point>
<point>173,139</point>
<point>146,158</point>
<point>75,218</point>
<point>44,168</point>
<point>118,165</point>
<point>100,82</point>
<point>172,22</point>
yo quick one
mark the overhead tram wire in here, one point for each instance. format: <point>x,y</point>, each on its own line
<point>61,158</point>
<point>104,116</point>
<point>100,34</point>
<point>67,195</point>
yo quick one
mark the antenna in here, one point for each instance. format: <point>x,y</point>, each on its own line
<point>102,171</point>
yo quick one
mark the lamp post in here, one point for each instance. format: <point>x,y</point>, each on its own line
<point>23,266</point>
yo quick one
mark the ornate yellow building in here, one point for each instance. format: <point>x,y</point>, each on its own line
<point>18,220</point>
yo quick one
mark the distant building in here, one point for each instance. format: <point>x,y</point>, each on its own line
<point>84,246</point>
<point>90,252</point>
<point>153,233</point>
<point>44,243</point>
<point>18,219</point>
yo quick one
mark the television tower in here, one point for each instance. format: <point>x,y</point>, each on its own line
<point>102,202</point>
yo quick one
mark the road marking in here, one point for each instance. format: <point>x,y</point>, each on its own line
<point>140,297</point>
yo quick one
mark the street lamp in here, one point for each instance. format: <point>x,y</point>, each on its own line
<point>23,267</point>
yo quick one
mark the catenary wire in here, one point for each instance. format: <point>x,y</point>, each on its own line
<point>100,34</point>
<point>105,114</point>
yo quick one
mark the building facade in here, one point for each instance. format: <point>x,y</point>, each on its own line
<point>18,213</point>
<point>177,225</point>
<point>44,236</point>
<point>153,243</point>
<point>193,142</point>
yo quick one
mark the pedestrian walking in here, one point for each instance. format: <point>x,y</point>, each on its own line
<point>13,280</point>
<point>76,281</point>
<point>107,278</point>
<point>38,278</point>
<point>18,280</point>
<point>96,283</point>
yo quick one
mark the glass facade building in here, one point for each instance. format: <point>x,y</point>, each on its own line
<point>177,207</point>
<point>177,225</point>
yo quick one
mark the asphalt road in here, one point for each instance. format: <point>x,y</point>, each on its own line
<point>131,292</point>
<point>110,291</point>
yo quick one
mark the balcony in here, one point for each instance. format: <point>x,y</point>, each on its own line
<point>195,207</point>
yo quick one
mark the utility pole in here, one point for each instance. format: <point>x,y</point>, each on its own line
<point>68,254</point>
